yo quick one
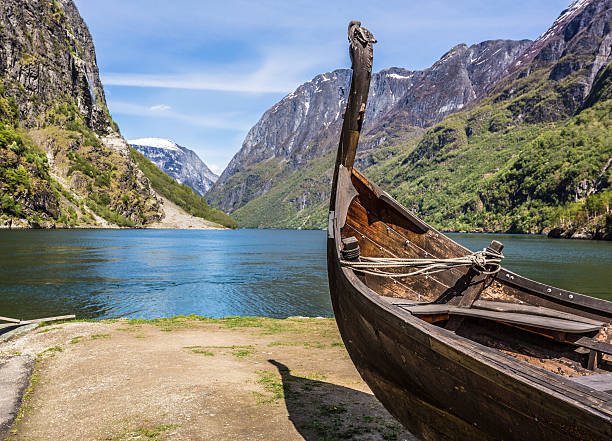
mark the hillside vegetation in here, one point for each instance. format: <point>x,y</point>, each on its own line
<point>181,195</point>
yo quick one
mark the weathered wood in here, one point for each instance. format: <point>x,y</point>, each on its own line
<point>598,382</point>
<point>346,194</point>
<point>7,319</point>
<point>441,385</point>
<point>361,53</point>
<point>48,319</point>
<point>536,321</point>
<point>530,309</point>
<point>596,345</point>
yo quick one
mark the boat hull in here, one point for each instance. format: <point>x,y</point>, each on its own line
<point>444,387</point>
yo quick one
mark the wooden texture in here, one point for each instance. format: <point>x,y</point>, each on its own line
<point>7,319</point>
<point>361,57</point>
<point>598,382</point>
<point>536,310</point>
<point>596,345</point>
<point>48,319</point>
<point>531,320</point>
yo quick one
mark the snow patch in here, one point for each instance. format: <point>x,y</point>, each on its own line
<point>159,143</point>
<point>399,77</point>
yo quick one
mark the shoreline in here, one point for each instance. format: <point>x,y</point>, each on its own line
<point>187,378</point>
<point>4,227</point>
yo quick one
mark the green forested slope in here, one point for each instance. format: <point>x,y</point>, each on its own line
<point>513,180</point>
<point>181,195</point>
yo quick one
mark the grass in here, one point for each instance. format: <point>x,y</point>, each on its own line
<point>200,350</point>
<point>272,384</point>
<point>50,351</point>
<point>145,433</point>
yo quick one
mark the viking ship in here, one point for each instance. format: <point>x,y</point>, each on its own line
<point>454,345</point>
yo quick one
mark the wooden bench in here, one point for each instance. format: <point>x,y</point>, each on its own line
<point>596,350</point>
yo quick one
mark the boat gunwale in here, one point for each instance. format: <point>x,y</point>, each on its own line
<point>504,364</point>
<point>548,292</point>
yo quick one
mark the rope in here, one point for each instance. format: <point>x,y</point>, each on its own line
<point>485,262</point>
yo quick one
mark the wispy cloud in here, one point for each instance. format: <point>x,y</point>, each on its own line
<point>160,108</point>
<point>223,83</point>
<point>225,121</point>
<point>280,70</point>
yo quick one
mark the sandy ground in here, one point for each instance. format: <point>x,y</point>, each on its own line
<point>196,379</point>
<point>177,218</point>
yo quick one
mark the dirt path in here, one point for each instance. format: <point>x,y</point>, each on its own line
<point>196,379</point>
<point>177,218</point>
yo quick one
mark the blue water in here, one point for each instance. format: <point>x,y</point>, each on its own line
<point>273,273</point>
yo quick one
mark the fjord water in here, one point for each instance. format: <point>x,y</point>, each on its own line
<point>273,273</point>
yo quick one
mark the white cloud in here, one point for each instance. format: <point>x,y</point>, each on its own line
<point>160,108</point>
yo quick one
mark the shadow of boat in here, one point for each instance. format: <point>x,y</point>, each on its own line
<point>323,410</point>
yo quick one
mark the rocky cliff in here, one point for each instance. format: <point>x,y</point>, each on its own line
<point>178,162</point>
<point>62,159</point>
<point>303,128</point>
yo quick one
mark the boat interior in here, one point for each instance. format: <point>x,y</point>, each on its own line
<point>563,332</point>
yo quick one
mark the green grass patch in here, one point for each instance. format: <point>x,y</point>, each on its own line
<point>272,384</point>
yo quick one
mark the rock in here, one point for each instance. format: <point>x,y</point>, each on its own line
<point>15,373</point>
<point>178,162</point>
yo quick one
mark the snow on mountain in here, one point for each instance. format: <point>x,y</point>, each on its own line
<point>159,143</point>
<point>180,163</point>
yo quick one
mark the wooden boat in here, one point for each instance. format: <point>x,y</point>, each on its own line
<point>458,351</point>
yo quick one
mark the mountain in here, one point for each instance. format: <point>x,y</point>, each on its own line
<point>300,133</point>
<point>535,153</point>
<point>63,161</point>
<point>180,163</point>
<point>500,136</point>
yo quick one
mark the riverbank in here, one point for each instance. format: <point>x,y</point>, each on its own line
<point>195,379</point>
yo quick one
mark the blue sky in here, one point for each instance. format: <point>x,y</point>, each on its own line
<point>203,72</point>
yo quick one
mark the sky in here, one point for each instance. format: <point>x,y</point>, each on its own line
<point>202,73</point>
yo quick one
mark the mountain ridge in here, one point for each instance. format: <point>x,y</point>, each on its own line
<point>63,161</point>
<point>178,162</point>
<point>464,173</point>
<point>305,124</point>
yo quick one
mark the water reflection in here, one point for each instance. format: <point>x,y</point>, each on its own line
<point>157,273</point>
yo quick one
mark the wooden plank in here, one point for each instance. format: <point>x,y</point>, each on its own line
<point>596,345</point>
<point>536,321</point>
<point>48,319</point>
<point>598,382</point>
<point>573,299</point>
<point>469,288</point>
<point>535,310</point>
<point>7,319</point>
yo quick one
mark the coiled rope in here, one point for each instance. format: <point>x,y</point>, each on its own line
<point>485,262</point>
